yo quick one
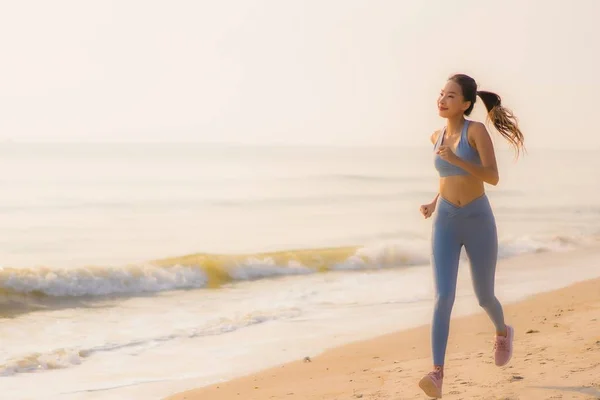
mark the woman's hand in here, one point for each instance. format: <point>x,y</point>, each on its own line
<point>447,154</point>
<point>427,209</point>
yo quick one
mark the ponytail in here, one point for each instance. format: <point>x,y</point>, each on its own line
<point>503,120</point>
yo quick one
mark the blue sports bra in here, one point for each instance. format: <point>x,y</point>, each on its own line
<point>464,150</point>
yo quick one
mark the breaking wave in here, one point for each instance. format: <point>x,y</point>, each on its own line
<point>213,270</point>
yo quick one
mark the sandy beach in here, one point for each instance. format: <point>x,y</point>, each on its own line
<point>223,200</point>
<point>557,356</point>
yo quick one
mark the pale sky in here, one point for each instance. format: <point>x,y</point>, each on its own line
<point>345,72</point>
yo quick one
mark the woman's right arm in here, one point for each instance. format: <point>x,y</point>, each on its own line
<point>428,209</point>
<point>434,138</point>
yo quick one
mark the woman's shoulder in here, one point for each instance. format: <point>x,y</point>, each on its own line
<point>475,131</point>
<point>435,135</point>
<point>476,128</point>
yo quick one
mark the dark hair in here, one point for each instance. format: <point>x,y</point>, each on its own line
<point>503,119</point>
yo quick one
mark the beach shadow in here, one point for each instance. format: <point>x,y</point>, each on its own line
<point>592,391</point>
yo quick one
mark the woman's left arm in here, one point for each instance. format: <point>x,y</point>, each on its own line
<point>488,170</point>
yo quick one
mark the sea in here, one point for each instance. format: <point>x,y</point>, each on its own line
<point>136,270</point>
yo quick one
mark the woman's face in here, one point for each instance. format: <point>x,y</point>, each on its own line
<point>451,102</point>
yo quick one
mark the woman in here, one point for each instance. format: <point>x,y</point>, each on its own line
<point>465,159</point>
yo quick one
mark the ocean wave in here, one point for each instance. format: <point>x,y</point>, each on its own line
<point>316,199</point>
<point>68,357</point>
<point>257,201</point>
<point>371,178</point>
<point>193,271</point>
<point>516,210</point>
<point>19,286</point>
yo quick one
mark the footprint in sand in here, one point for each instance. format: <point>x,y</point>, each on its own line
<point>516,378</point>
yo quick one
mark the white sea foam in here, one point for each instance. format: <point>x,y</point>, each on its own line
<point>64,358</point>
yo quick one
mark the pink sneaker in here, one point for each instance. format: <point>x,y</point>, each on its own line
<point>431,384</point>
<point>503,348</point>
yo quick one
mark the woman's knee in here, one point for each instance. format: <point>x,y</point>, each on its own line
<point>487,301</point>
<point>444,301</point>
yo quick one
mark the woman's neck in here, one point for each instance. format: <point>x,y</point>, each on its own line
<point>455,125</point>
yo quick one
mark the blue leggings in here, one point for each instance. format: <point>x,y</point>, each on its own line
<point>473,226</point>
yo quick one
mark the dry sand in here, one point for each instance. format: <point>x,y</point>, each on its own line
<point>557,356</point>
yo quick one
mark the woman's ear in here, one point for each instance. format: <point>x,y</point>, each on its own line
<point>466,105</point>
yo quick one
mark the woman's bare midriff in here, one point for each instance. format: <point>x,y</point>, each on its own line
<point>461,190</point>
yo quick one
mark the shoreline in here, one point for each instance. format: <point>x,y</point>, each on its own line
<point>557,352</point>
